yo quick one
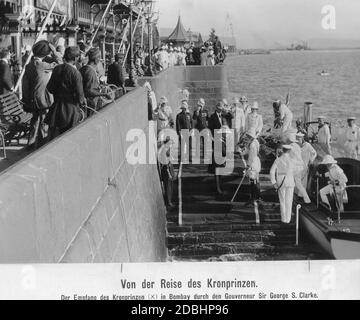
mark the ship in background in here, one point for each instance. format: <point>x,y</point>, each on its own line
<point>299,47</point>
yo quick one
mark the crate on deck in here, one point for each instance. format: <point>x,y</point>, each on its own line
<point>14,121</point>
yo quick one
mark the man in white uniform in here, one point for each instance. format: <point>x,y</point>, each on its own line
<point>245,105</point>
<point>238,120</point>
<point>282,178</point>
<point>295,155</point>
<point>308,155</point>
<point>352,135</point>
<point>254,165</point>
<point>172,57</point>
<point>286,117</point>
<point>337,182</point>
<point>254,121</point>
<point>324,135</point>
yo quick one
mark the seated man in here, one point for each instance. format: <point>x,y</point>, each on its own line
<point>337,183</point>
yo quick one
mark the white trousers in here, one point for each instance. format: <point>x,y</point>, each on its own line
<point>351,149</point>
<point>300,190</point>
<point>328,190</point>
<point>286,196</point>
<point>287,123</point>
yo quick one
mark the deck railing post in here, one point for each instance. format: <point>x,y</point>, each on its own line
<point>298,207</point>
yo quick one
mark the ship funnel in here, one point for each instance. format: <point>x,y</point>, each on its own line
<point>308,108</point>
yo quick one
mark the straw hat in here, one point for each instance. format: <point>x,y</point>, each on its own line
<point>328,159</point>
<point>351,118</point>
<point>287,147</point>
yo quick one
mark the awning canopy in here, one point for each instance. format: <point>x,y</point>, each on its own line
<point>179,34</point>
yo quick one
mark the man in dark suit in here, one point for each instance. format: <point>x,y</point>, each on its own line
<point>183,127</point>
<point>116,73</point>
<point>6,79</point>
<point>216,121</point>
<point>36,97</point>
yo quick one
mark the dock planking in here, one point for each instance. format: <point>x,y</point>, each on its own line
<point>214,229</point>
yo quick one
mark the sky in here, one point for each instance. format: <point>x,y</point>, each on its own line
<point>264,23</point>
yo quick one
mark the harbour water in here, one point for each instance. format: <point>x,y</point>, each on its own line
<point>263,78</point>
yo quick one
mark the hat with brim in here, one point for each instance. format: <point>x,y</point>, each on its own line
<point>184,105</point>
<point>201,102</point>
<point>321,117</point>
<point>243,99</point>
<point>328,160</point>
<point>163,100</point>
<point>351,118</point>
<point>300,135</point>
<point>255,106</point>
<point>94,53</point>
<point>287,147</point>
<point>219,106</point>
<point>236,100</point>
<point>41,49</point>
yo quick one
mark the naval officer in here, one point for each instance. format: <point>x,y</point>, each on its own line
<point>254,121</point>
<point>352,135</point>
<point>295,155</point>
<point>308,155</point>
<point>282,178</point>
<point>337,182</point>
<point>286,117</point>
<point>254,165</point>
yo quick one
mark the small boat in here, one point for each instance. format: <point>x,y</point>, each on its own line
<point>336,231</point>
<point>324,73</point>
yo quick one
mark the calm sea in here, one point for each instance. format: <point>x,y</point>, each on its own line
<point>263,78</point>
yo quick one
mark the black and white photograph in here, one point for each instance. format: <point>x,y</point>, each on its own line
<point>179,150</point>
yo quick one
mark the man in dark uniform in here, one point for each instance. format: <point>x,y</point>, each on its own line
<point>183,127</point>
<point>201,116</point>
<point>67,87</point>
<point>91,82</point>
<point>36,97</point>
<point>216,121</point>
<point>6,79</point>
<point>117,73</point>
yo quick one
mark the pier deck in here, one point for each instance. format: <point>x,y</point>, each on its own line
<point>214,229</point>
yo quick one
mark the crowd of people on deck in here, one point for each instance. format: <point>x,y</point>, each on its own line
<point>290,171</point>
<point>169,55</point>
<point>63,86</point>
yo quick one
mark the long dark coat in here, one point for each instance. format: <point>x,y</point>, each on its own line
<point>67,87</point>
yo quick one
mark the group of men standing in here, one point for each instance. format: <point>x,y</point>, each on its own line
<point>289,173</point>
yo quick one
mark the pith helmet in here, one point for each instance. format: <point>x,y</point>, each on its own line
<point>243,99</point>
<point>255,106</point>
<point>328,159</point>
<point>201,102</point>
